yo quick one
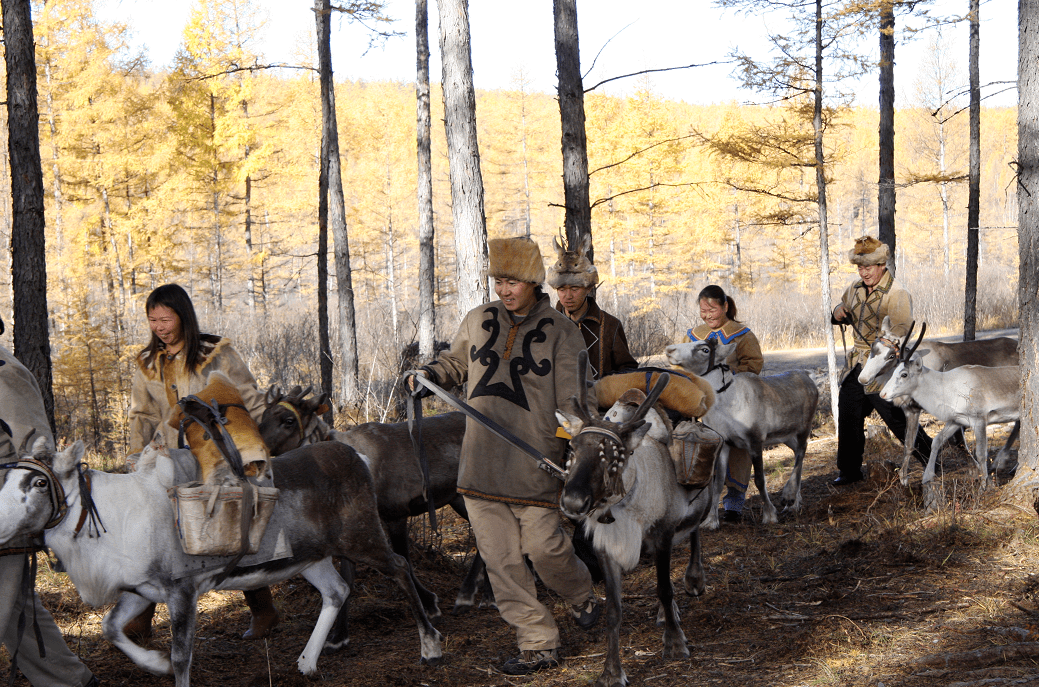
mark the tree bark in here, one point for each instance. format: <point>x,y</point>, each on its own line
<point>886,186</point>
<point>578,218</point>
<point>322,18</point>
<point>28,254</point>
<point>332,195</point>
<point>970,288</point>
<point>427,322</point>
<point>1025,484</point>
<point>824,238</point>
<point>463,154</point>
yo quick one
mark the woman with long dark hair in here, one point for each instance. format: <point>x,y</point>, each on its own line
<point>176,363</point>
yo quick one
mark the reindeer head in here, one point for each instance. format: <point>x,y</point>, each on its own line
<point>600,450</point>
<point>287,417</point>
<point>907,369</point>
<point>700,357</point>
<point>885,352</point>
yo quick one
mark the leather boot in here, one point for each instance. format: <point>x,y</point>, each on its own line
<point>139,629</point>
<point>264,615</point>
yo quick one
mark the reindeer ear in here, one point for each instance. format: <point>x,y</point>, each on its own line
<point>272,396</point>
<point>571,423</point>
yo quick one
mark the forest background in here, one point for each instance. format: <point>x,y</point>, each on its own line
<point>205,174</point>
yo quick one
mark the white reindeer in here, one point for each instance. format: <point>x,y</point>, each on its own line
<point>971,396</point>
<point>752,412</point>
<point>884,356</point>
<point>621,486</point>
<point>128,552</point>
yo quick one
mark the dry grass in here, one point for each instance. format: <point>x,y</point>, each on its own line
<point>855,590</point>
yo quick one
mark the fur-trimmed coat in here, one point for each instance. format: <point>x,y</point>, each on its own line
<point>159,384</point>
<point>605,340</point>
<point>746,358</point>
<point>518,375</point>
<point>868,310</point>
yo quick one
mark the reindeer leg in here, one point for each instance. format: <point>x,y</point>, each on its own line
<point>339,636</point>
<point>768,511</point>
<point>981,453</point>
<point>398,531</point>
<point>394,566</point>
<point>791,494</point>
<point>182,605</point>
<point>613,672</point>
<point>674,639</point>
<point>717,483</point>
<point>334,592</point>
<point>1004,453</point>
<point>476,577</point>
<point>912,413</point>
<point>129,606</point>
<point>932,498</point>
<point>695,579</point>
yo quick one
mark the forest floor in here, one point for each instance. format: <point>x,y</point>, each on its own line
<point>859,588</point>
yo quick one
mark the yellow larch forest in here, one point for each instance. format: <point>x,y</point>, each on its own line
<point>207,176</point>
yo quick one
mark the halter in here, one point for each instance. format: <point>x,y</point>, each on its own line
<point>224,442</point>
<point>723,366</point>
<point>299,419</point>
<point>57,493</point>
<point>613,485</point>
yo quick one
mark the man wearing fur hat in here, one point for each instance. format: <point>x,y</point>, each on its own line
<point>519,356</point>
<point>603,333</point>
<point>864,304</point>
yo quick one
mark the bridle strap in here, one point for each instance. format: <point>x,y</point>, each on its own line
<point>603,431</point>
<point>299,419</point>
<point>225,444</point>
<point>57,492</point>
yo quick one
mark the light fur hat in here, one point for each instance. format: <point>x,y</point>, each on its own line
<point>869,251</point>
<point>515,258</point>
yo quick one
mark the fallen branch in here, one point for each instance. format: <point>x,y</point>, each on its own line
<point>980,657</point>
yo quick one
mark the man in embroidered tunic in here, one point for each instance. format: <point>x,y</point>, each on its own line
<point>864,304</point>
<point>519,356</point>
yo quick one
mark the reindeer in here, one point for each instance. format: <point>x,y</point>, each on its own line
<point>128,552</point>
<point>885,354</point>
<point>753,412</point>
<point>621,486</point>
<point>294,420</point>
<point>969,396</point>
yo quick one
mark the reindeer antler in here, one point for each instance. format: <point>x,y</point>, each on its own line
<point>908,351</point>
<point>662,381</point>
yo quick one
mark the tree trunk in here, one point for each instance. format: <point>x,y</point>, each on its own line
<point>1025,484</point>
<point>970,287</point>
<point>337,209</point>
<point>824,238</point>
<point>886,192</point>
<point>323,19</point>
<point>427,322</point>
<point>28,254</point>
<point>578,220</point>
<point>463,154</point>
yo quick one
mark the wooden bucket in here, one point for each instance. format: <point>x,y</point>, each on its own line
<point>209,518</point>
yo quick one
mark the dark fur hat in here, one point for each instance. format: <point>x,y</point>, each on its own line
<point>869,251</point>
<point>515,258</point>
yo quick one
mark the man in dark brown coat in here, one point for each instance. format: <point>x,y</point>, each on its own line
<point>574,279</point>
<point>519,356</point>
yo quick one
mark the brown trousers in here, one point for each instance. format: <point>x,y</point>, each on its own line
<point>504,534</point>
<point>738,474</point>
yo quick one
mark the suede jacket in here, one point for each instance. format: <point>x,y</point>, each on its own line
<point>867,311</point>
<point>519,373</point>
<point>160,383</point>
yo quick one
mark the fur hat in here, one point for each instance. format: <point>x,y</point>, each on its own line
<point>869,251</point>
<point>515,258</point>
<point>573,268</point>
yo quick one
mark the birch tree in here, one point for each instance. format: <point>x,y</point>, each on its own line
<point>426,275</point>
<point>463,153</point>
